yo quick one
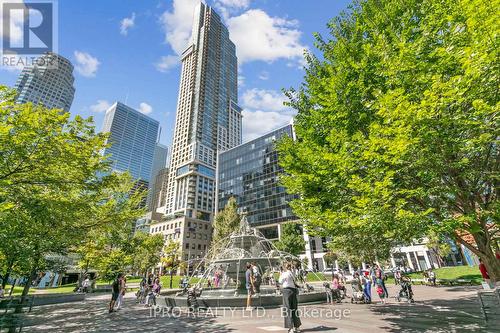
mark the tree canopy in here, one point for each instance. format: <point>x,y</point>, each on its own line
<point>226,221</point>
<point>397,128</point>
<point>56,187</point>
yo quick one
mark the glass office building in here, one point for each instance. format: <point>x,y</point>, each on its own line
<point>250,173</point>
<point>48,82</point>
<point>133,138</point>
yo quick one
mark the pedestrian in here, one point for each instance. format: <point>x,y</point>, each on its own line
<point>379,274</point>
<point>484,273</point>
<point>249,283</point>
<point>290,291</point>
<point>86,284</point>
<point>123,288</point>
<point>397,276</point>
<point>379,282</point>
<point>257,277</point>
<point>115,292</point>
<point>432,277</point>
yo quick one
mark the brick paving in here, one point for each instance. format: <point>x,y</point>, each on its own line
<point>437,309</point>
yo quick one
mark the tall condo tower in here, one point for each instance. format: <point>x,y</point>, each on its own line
<point>133,137</point>
<point>49,81</point>
<point>208,120</point>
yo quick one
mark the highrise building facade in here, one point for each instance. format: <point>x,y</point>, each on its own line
<point>159,163</point>
<point>208,120</point>
<point>133,137</point>
<point>49,81</point>
<point>250,173</point>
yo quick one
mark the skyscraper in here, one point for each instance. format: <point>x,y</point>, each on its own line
<point>133,138</point>
<point>48,82</point>
<point>250,173</point>
<point>208,120</point>
<point>159,163</point>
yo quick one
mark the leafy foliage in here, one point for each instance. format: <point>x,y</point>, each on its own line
<point>291,240</point>
<point>56,188</point>
<point>226,221</point>
<point>398,130</point>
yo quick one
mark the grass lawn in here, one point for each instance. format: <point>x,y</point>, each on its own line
<point>454,273</point>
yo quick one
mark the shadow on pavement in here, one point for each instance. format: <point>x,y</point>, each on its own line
<point>319,329</point>
<point>94,317</point>
<point>462,314</point>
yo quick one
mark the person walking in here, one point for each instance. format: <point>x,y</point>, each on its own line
<point>289,289</point>
<point>379,282</point>
<point>249,283</point>
<point>123,288</point>
<point>115,292</point>
<point>86,284</point>
<point>367,286</point>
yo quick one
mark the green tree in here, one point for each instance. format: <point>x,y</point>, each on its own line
<point>226,221</point>
<point>397,127</point>
<point>291,240</point>
<point>147,250</point>
<point>55,185</point>
<point>172,260</point>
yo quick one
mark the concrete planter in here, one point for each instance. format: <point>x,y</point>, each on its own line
<point>57,298</point>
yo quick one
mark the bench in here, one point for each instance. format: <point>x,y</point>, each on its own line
<point>490,304</point>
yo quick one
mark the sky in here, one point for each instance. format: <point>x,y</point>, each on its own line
<point>128,51</point>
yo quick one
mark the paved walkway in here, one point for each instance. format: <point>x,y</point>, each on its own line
<point>437,309</point>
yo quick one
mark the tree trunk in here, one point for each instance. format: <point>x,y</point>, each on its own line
<point>26,289</point>
<point>485,252</point>
<point>7,274</point>
<point>171,277</point>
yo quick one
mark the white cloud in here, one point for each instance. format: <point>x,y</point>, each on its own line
<point>145,108</point>
<point>263,112</point>
<point>258,123</point>
<point>233,3</point>
<point>241,81</point>
<point>100,106</point>
<point>227,7</point>
<point>264,100</point>
<point>177,24</point>
<point>264,75</point>
<point>259,36</point>
<point>86,64</point>
<point>127,23</point>
<point>167,62</point>
<point>16,18</point>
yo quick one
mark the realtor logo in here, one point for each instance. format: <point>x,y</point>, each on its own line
<point>28,28</point>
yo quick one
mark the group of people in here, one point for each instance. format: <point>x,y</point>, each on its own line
<point>149,289</point>
<point>362,280</point>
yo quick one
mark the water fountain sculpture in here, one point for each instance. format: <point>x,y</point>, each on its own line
<point>229,258</point>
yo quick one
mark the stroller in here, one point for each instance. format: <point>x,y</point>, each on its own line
<point>405,291</point>
<point>357,293</point>
<point>332,295</point>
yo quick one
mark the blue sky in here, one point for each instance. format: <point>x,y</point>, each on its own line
<point>127,50</point>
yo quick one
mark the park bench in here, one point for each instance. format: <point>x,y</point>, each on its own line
<point>490,304</point>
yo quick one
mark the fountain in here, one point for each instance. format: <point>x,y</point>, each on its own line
<point>229,259</point>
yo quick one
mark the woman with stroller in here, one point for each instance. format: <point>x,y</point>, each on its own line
<point>337,285</point>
